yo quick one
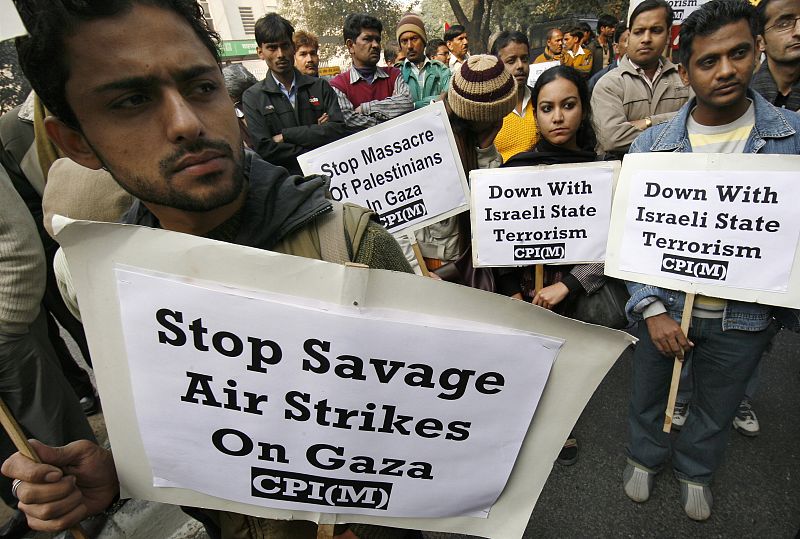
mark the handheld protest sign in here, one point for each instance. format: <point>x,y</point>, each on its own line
<point>546,214</point>
<point>720,225</point>
<point>536,70</point>
<point>407,170</point>
<point>212,401</point>
<point>10,24</point>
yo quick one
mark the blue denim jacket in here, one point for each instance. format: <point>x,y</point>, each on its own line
<point>775,132</point>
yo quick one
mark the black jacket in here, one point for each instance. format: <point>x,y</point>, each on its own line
<point>269,113</point>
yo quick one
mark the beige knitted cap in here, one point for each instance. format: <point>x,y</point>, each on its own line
<point>482,90</point>
<point>411,22</point>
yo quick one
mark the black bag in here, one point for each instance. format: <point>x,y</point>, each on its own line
<point>605,307</point>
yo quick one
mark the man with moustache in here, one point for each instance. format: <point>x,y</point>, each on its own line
<point>778,79</point>
<point>306,53</point>
<point>458,44</point>
<point>518,133</point>
<point>288,113</point>
<point>645,89</point>
<point>552,48</point>
<point>426,78</point>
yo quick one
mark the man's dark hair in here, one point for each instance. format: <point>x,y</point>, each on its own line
<point>51,22</point>
<point>433,46</point>
<point>355,22</point>
<point>272,28</point>
<point>390,54</point>
<point>587,30</point>
<point>710,18</point>
<point>453,32</point>
<point>650,5</point>
<point>606,20</point>
<point>575,31</point>
<point>585,137</point>
<point>618,31</point>
<point>762,15</point>
<point>505,37</point>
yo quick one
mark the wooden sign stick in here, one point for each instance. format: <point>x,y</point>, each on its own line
<point>324,531</point>
<point>538,282</point>
<point>14,432</point>
<point>686,318</point>
<point>418,253</point>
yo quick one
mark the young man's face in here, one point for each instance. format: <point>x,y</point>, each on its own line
<point>515,58</point>
<point>153,109</point>
<point>307,60</point>
<point>570,42</point>
<point>607,32</point>
<point>459,46</point>
<point>442,54</point>
<point>555,42</point>
<point>412,47</point>
<point>279,56</point>
<point>648,37</point>
<point>781,38</point>
<point>366,49</point>
<point>720,68</point>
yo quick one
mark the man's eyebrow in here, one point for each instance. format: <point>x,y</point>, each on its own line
<point>132,83</point>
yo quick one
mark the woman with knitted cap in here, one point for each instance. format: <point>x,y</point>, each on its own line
<point>480,95</point>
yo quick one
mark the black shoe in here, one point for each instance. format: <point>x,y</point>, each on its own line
<point>16,527</point>
<point>569,453</point>
<point>90,405</point>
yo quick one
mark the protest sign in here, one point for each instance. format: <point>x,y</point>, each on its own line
<point>681,9</point>
<point>536,71</point>
<point>206,319</point>
<point>407,170</point>
<point>10,24</point>
<point>547,214</point>
<point>722,225</point>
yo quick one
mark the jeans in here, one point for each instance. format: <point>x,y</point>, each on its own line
<point>722,363</point>
<point>687,387</point>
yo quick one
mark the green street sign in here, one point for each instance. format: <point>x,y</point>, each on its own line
<point>238,47</point>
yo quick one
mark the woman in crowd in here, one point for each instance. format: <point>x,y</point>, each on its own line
<point>563,117</point>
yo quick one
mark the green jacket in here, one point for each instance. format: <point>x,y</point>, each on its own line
<point>437,78</point>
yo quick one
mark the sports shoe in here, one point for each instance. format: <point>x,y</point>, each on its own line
<point>637,482</point>
<point>679,414</point>
<point>745,420</point>
<point>90,404</point>
<point>696,500</point>
<point>569,453</point>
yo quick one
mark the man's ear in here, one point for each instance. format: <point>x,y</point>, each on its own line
<point>260,54</point>
<point>72,143</point>
<point>761,46</point>
<point>684,74</point>
<point>349,44</point>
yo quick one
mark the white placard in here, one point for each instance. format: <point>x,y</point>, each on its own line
<point>325,408</point>
<point>718,224</point>
<point>95,251</point>
<point>407,170</point>
<point>536,215</point>
<point>10,24</point>
<point>536,70</point>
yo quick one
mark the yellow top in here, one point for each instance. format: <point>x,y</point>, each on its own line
<point>582,61</point>
<point>518,133</point>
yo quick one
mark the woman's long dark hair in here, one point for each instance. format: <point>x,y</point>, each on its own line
<point>585,137</point>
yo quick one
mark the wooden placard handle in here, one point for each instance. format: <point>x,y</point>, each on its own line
<point>17,436</point>
<point>324,531</point>
<point>686,318</point>
<point>538,282</point>
<point>418,254</point>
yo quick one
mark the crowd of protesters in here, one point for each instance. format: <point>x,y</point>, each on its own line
<point>732,85</point>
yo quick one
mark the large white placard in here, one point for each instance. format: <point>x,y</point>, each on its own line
<point>717,224</point>
<point>407,170</point>
<point>251,279</point>
<point>322,407</point>
<point>10,23</point>
<point>536,71</point>
<point>547,214</point>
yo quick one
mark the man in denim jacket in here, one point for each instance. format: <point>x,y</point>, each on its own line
<point>726,338</point>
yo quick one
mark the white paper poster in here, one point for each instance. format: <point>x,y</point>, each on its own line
<point>407,170</point>
<point>717,224</point>
<point>10,23</point>
<point>536,215</point>
<point>536,71</point>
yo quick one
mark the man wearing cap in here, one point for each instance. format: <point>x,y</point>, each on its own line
<point>368,94</point>
<point>426,78</point>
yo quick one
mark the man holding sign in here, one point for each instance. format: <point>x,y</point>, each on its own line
<point>726,338</point>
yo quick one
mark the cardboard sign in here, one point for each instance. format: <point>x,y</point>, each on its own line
<point>536,70</point>
<point>722,225</point>
<point>407,170</point>
<point>10,24</point>
<point>296,305</point>
<point>547,214</point>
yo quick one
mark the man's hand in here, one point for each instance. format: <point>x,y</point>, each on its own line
<point>323,119</point>
<point>357,110</point>
<point>641,125</point>
<point>667,335</point>
<point>550,296</point>
<point>72,483</point>
<point>278,138</point>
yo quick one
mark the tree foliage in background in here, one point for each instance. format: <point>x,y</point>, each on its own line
<point>14,87</point>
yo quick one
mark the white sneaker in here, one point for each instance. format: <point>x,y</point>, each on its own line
<point>637,482</point>
<point>745,420</point>
<point>679,414</point>
<point>696,500</point>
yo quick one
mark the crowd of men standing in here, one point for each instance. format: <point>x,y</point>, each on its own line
<point>715,97</point>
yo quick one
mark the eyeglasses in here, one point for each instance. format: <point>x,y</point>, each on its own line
<point>784,25</point>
